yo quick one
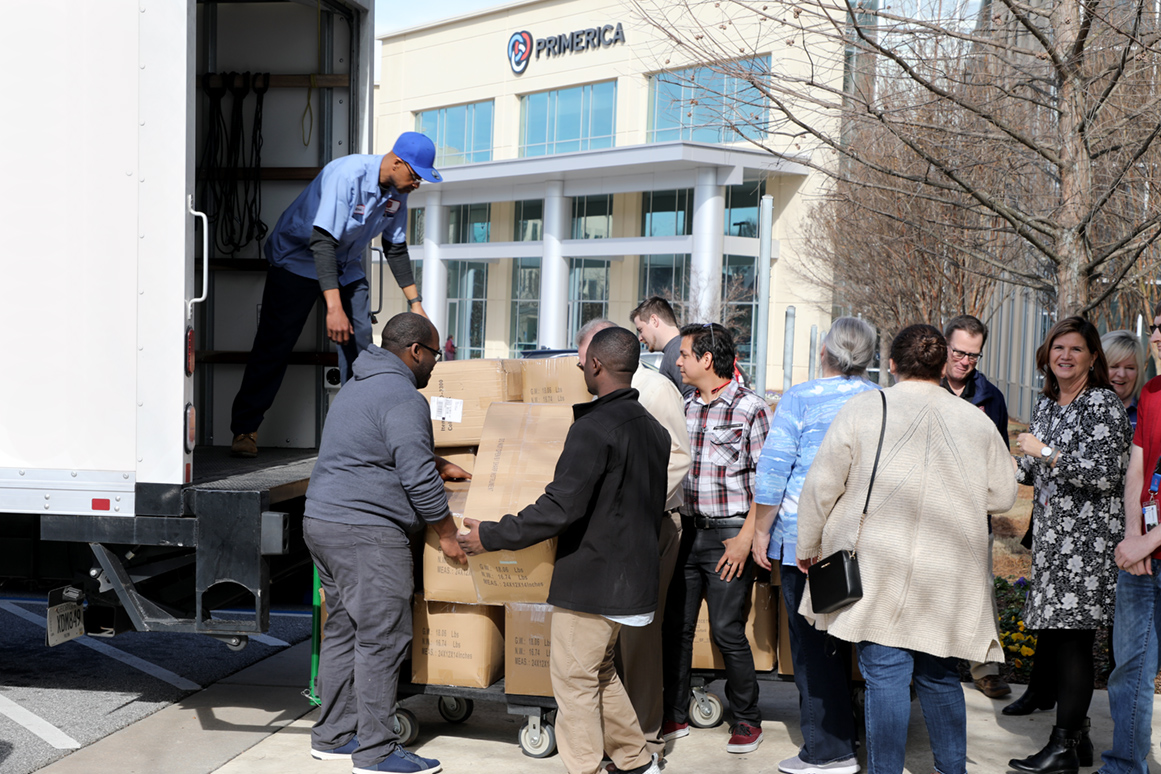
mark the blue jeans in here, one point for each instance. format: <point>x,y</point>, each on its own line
<point>287,301</point>
<point>889,672</point>
<point>822,674</point>
<point>1136,641</point>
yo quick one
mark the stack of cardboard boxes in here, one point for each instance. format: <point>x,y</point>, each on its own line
<point>505,422</point>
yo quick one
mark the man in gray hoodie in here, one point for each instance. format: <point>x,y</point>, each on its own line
<point>376,480</point>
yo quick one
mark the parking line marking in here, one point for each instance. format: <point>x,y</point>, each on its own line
<point>37,725</point>
<point>140,664</point>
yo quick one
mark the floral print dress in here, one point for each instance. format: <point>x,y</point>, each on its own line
<point>1078,511</point>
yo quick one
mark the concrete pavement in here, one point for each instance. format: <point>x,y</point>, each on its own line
<point>257,722</point>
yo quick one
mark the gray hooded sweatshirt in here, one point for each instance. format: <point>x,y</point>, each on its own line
<point>376,463</point>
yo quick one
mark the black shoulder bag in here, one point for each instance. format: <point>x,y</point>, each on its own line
<point>835,581</point>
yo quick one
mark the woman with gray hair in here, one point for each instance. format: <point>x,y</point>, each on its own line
<point>821,671</point>
<point>1126,359</point>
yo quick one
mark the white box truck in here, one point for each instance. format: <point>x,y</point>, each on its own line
<point>129,127</point>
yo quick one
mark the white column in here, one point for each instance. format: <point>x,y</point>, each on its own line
<point>434,288</point>
<point>708,237</point>
<point>554,268</point>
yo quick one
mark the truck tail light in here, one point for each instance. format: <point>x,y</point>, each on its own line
<point>189,351</point>
<point>191,427</point>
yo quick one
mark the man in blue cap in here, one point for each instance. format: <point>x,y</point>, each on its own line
<point>317,248</point>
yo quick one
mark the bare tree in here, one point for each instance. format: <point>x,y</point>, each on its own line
<point>1026,127</point>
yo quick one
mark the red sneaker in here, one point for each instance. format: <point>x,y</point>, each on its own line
<point>673,730</point>
<point>744,738</point>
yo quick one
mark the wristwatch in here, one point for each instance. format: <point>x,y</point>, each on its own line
<point>417,300</point>
<point>1047,452</point>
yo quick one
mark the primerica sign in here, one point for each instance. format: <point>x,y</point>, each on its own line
<point>521,45</point>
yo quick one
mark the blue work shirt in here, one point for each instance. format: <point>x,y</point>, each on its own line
<point>800,422</point>
<point>345,201</point>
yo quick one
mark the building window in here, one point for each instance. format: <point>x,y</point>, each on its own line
<point>467,305</point>
<point>469,223</point>
<point>525,305</point>
<point>666,276</point>
<point>415,230</point>
<point>740,306</point>
<point>568,120</point>
<point>592,217</point>
<point>742,202</point>
<point>588,292</point>
<point>462,134</point>
<point>667,213</point>
<point>529,220</point>
<point>416,271</point>
<point>704,105</point>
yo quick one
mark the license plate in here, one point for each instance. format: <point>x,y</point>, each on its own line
<point>66,620</point>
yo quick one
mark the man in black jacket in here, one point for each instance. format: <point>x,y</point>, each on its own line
<point>605,503</point>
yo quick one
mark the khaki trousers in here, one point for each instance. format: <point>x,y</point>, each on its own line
<point>593,713</point>
<point>639,648</point>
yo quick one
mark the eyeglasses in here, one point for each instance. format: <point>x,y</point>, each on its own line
<point>414,177</point>
<point>958,354</point>
<point>438,355</point>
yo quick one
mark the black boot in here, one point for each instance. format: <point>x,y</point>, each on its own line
<point>1028,703</point>
<point>1057,757</point>
<point>1084,746</point>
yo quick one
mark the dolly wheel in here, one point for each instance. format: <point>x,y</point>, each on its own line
<point>453,709</point>
<point>705,709</point>
<point>538,742</point>
<point>406,726</point>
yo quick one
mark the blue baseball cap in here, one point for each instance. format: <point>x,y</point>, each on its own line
<point>419,152</point>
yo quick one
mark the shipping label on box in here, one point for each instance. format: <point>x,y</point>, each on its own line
<point>761,631</point>
<point>457,644</point>
<point>443,579</point>
<point>527,641</point>
<point>460,392</point>
<point>553,380</point>
<point>518,452</point>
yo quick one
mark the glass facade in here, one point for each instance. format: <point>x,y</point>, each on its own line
<point>529,225</point>
<point>525,333</point>
<point>667,213</point>
<point>666,276</point>
<point>467,306</point>
<point>701,104</point>
<point>462,134</point>
<point>740,306</point>
<point>568,120</point>
<point>415,225</point>
<point>742,202</point>
<point>588,292</point>
<point>469,223</point>
<point>592,217</point>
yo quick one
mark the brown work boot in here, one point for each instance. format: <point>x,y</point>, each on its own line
<point>993,686</point>
<point>244,445</point>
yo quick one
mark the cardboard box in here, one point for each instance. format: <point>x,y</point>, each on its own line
<point>518,451</point>
<point>457,644</point>
<point>761,630</point>
<point>553,380</point>
<point>464,456</point>
<point>443,579</point>
<point>460,392</point>
<point>527,630</point>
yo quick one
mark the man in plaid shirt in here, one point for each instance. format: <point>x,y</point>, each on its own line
<point>727,427</point>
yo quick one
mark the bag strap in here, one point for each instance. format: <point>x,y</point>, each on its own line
<point>874,470</point>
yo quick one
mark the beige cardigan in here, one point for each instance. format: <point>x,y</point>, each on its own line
<point>923,551</point>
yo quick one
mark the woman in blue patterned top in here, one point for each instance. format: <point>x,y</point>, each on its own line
<point>821,667</point>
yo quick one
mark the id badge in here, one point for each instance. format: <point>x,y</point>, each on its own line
<point>1150,513</point>
<point>1046,494</point>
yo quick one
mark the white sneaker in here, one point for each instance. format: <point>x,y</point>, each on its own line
<point>796,765</point>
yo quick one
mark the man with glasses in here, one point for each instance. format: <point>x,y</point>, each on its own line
<point>316,249</point>
<point>376,481</point>
<point>966,336</point>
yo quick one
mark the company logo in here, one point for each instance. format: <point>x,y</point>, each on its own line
<point>519,51</point>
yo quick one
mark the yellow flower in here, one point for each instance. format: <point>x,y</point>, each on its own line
<point>1018,637</point>
<point>1017,663</point>
<point>1026,651</point>
<point>1020,625</point>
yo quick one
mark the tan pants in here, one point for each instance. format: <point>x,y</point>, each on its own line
<point>639,648</point>
<point>980,669</point>
<point>593,713</point>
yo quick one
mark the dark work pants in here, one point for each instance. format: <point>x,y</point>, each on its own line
<point>728,604</point>
<point>822,666</point>
<point>367,575</point>
<point>287,301</point>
